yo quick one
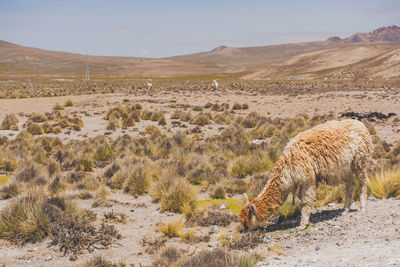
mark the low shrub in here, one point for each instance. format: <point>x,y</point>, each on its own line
<point>68,103</point>
<point>171,229</point>
<point>35,129</point>
<point>9,121</point>
<point>169,256</point>
<point>58,107</point>
<point>385,184</point>
<point>139,181</point>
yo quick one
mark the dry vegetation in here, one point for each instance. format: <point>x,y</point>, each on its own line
<point>48,177</point>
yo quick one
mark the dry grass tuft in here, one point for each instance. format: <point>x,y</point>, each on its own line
<point>171,229</point>
<point>385,184</point>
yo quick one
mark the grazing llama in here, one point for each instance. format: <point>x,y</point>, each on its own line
<point>334,152</point>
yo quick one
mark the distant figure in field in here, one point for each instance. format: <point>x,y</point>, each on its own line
<point>149,84</point>
<point>215,85</point>
<point>334,152</point>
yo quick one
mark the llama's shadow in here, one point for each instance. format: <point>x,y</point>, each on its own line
<point>317,217</point>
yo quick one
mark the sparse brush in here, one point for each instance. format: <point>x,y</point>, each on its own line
<point>139,181</point>
<point>246,261</point>
<point>68,103</point>
<point>35,129</point>
<point>327,194</point>
<point>115,217</point>
<point>24,220</point>
<point>197,108</point>
<point>213,258</point>
<point>237,106</point>
<point>86,164</point>
<point>201,119</point>
<point>113,124</point>
<point>38,117</point>
<point>177,195</point>
<point>99,261</point>
<point>385,184</point>
<point>288,210</point>
<point>103,153</point>
<point>252,164</point>
<point>9,121</point>
<point>218,192</point>
<point>169,256</point>
<point>58,107</point>
<point>171,229</point>
<point>102,192</point>
<point>162,120</point>
<point>29,171</point>
<point>213,216</point>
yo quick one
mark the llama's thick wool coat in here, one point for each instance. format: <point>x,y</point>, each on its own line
<point>333,152</point>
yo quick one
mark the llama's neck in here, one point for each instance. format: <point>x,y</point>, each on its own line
<point>274,194</point>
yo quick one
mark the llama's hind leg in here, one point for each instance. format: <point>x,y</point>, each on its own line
<point>349,196</point>
<point>307,200</point>
<point>363,181</point>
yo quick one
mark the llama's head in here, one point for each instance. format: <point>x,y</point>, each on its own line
<point>247,215</point>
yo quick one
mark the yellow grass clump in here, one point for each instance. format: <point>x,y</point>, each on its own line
<point>385,184</point>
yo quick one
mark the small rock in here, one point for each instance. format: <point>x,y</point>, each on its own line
<point>277,258</point>
<point>317,248</point>
<point>48,258</point>
<point>222,207</point>
<point>214,228</point>
<point>213,244</point>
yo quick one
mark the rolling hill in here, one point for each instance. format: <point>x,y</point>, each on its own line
<point>370,54</point>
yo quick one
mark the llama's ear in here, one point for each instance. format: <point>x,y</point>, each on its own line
<point>252,209</point>
<point>245,199</point>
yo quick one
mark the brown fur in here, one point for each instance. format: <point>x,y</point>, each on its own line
<point>334,152</point>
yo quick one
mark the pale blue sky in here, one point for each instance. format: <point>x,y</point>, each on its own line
<point>159,28</point>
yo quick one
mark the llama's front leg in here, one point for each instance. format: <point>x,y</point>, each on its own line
<point>363,190</point>
<point>307,201</point>
<point>349,196</point>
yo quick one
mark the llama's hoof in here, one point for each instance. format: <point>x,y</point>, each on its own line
<point>302,227</point>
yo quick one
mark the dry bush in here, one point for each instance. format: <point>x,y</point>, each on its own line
<point>35,129</point>
<point>9,121</point>
<point>385,184</point>
<point>217,191</point>
<point>325,194</point>
<point>202,119</point>
<point>58,107</point>
<point>245,240</point>
<point>68,103</point>
<point>115,217</point>
<point>213,258</point>
<point>113,124</point>
<point>139,181</point>
<point>171,229</point>
<point>248,165</point>
<point>24,220</point>
<point>31,172</point>
<point>38,117</point>
<point>173,193</point>
<point>237,106</point>
<point>169,256</point>
<point>288,210</point>
<point>246,261</point>
<point>103,153</point>
<point>99,261</point>
<point>212,216</point>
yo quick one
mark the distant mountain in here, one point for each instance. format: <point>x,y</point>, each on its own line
<point>383,34</point>
<point>372,54</point>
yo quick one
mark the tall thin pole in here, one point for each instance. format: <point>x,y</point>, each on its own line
<point>87,73</point>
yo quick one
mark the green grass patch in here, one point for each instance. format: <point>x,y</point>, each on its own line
<point>231,204</point>
<point>3,179</point>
